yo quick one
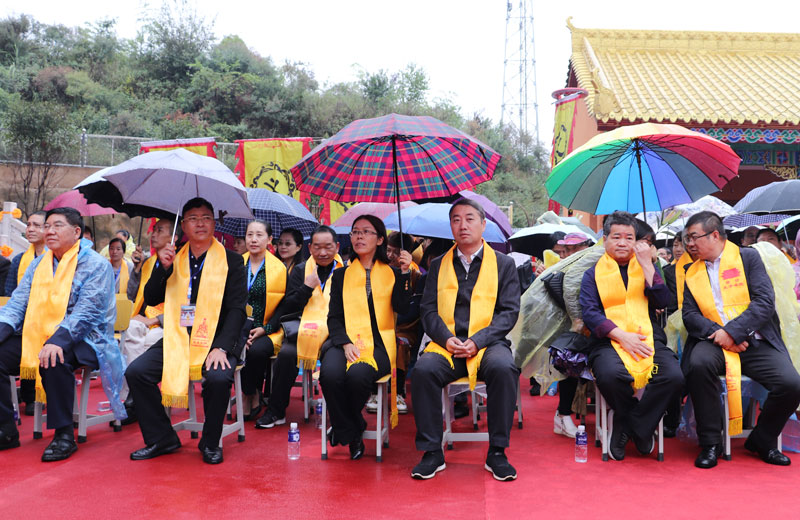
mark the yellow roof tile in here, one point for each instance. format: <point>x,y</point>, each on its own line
<point>688,76</point>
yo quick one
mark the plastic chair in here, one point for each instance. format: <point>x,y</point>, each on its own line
<point>601,425</point>
<point>14,398</point>
<point>749,419</point>
<point>381,432</point>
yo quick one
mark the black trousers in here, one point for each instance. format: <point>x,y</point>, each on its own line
<point>255,370</point>
<point>284,373</point>
<point>566,394</point>
<point>639,417</point>
<point>347,391</point>
<point>58,380</point>
<point>761,363</point>
<point>432,373</point>
<point>143,376</point>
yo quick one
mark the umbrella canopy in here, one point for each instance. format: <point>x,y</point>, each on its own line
<point>379,209</point>
<point>493,212</point>
<point>642,167</point>
<point>675,217</point>
<point>789,227</point>
<point>776,197</point>
<point>167,180</point>
<point>745,220</point>
<point>433,220</point>
<point>97,190</point>
<point>395,158</point>
<point>75,199</point>
<point>534,240</point>
<point>281,211</point>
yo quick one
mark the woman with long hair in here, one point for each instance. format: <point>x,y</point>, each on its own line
<point>361,347</point>
<point>122,268</point>
<point>266,287</point>
<point>290,247</point>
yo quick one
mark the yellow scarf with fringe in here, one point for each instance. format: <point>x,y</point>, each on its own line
<point>735,300</point>
<point>47,306</point>
<point>314,322</point>
<point>147,271</point>
<point>680,276</point>
<point>124,276</point>
<point>275,273</point>
<point>628,308</point>
<point>27,257</point>
<point>357,321</point>
<point>482,302</point>
<point>184,355</point>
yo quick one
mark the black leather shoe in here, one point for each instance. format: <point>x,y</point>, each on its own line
<point>212,455</point>
<point>645,446</point>
<point>9,436</point>
<point>132,417</point>
<point>669,433</point>
<point>708,456</point>
<point>618,438</point>
<point>60,448</point>
<point>30,408</point>
<point>771,456</point>
<point>154,450</point>
<point>357,449</point>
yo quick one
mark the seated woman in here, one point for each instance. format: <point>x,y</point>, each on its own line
<point>266,286</point>
<point>122,268</point>
<point>290,245</point>
<point>361,347</point>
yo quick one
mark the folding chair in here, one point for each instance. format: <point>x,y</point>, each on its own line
<point>749,419</point>
<point>602,428</point>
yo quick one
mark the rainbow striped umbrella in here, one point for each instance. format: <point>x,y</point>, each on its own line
<point>642,167</point>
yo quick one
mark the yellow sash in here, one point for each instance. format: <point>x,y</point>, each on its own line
<point>628,309</point>
<point>124,276</point>
<point>275,272</point>
<point>184,356</point>
<point>27,257</point>
<point>357,320</point>
<point>314,322</point>
<point>482,302</point>
<point>47,306</point>
<point>680,276</point>
<point>147,270</point>
<point>735,300</point>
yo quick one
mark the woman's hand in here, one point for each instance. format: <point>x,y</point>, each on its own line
<point>404,260</point>
<point>255,334</point>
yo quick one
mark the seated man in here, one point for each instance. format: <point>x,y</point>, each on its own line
<point>147,322</point>
<point>619,297</point>
<point>470,304</point>
<point>66,302</point>
<point>729,313</point>
<point>203,289</point>
<point>307,291</point>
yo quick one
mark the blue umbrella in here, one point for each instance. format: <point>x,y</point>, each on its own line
<point>433,220</point>
<point>281,211</point>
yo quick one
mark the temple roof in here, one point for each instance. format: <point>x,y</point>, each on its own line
<point>688,76</point>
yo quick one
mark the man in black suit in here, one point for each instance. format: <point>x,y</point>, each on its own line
<point>752,332</point>
<point>145,372</point>
<point>448,360</point>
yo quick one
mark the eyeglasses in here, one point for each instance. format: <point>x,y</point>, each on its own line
<point>357,233</point>
<point>691,239</point>
<point>205,219</point>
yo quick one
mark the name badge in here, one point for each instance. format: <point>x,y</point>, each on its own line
<point>187,315</point>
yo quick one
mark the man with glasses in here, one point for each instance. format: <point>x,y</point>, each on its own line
<point>204,292</point>
<point>307,299</point>
<point>65,308</point>
<point>729,313</point>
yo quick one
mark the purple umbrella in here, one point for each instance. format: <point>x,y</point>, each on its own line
<point>493,212</point>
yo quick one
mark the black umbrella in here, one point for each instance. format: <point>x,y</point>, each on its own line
<point>778,197</point>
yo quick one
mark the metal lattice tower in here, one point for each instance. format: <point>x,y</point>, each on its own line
<point>520,101</point>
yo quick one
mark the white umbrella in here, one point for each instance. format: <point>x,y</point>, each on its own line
<point>166,180</point>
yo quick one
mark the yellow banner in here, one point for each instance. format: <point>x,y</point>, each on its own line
<point>267,163</point>
<point>562,136</point>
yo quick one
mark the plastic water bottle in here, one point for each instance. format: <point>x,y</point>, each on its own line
<point>318,415</point>
<point>553,389</point>
<point>581,445</point>
<point>294,442</point>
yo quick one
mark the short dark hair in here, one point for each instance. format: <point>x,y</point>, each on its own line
<point>264,223</point>
<point>709,221</point>
<point>380,228</point>
<point>72,216</point>
<point>197,202</point>
<point>88,230</point>
<point>467,202</point>
<point>555,236</point>
<point>124,232</point>
<point>408,242</point>
<point>117,239</point>
<point>322,228</point>
<point>297,236</point>
<point>618,218</point>
<point>644,231</point>
<point>41,213</point>
<point>766,231</point>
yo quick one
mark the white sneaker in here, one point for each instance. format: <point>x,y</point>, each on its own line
<point>372,404</point>
<point>563,425</point>
<point>402,407</point>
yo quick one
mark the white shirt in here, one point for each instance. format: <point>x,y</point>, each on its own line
<point>713,276</point>
<point>467,260</point>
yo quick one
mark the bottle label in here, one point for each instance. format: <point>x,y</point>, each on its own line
<point>294,436</point>
<point>581,439</point>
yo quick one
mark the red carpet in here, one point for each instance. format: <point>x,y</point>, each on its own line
<point>257,481</point>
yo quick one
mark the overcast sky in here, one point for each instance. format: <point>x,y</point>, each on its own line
<point>459,43</point>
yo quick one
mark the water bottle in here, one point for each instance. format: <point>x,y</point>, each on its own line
<point>553,389</point>
<point>294,442</point>
<point>318,415</point>
<point>581,445</point>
